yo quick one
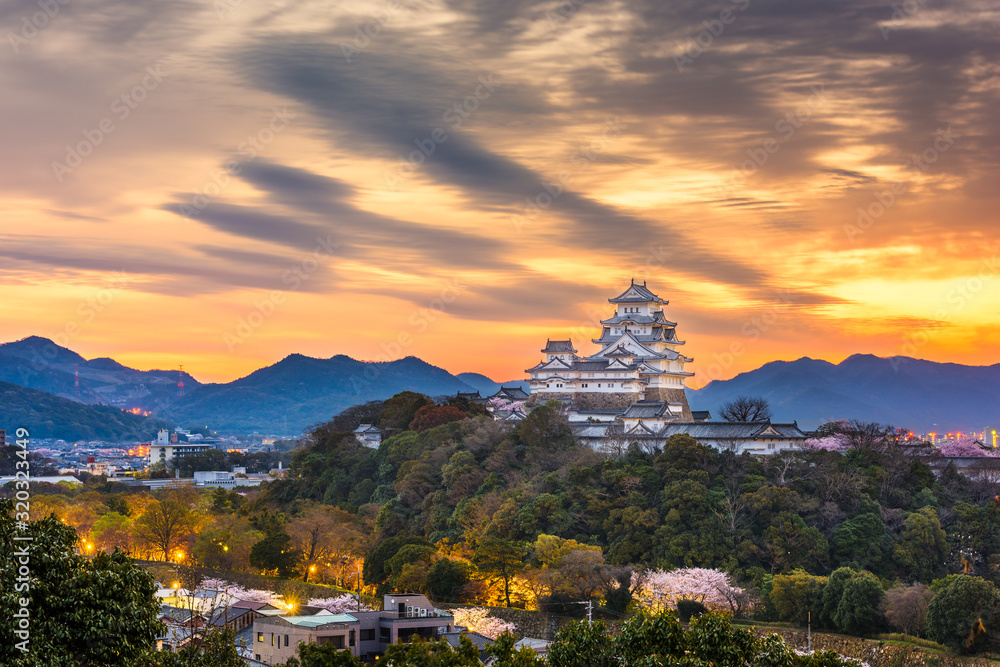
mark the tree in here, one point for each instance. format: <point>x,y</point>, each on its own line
<point>164,525</point>
<point>111,531</point>
<point>398,411</point>
<point>430,416</point>
<point>858,610</point>
<point>98,611</point>
<point>322,655</point>
<point>275,553</point>
<point>905,607</point>
<point>500,559</point>
<point>963,613</point>
<point>796,594</point>
<point>861,542</point>
<point>478,619</point>
<point>922,548</point>
<point>746,409</point>
<point>446,578</point>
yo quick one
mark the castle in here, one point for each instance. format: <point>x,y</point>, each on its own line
<point>638,362</point>
<point>632,390</point>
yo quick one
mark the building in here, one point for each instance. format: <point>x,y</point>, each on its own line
<point>166,448</point>
<point>639,361</point>
<point>365,634</point>
<point>223,479</point>
<point>368,435</point>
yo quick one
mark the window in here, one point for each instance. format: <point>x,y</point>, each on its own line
<point>368,635</point>
<point>272,639</point>
<point>260,637</point>
<point>286,640</point>
<point>598,384</point>
<point>257,656</point>
<point>350,640</point>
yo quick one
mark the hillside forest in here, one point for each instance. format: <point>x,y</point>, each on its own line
<point>877,535</point>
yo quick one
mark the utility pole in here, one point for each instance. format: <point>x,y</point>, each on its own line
<point>590,612</point>
<point>359,587</point>
<point>809,633</point>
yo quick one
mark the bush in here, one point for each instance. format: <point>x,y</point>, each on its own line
<point>905,607</point>
<point>688,609</point>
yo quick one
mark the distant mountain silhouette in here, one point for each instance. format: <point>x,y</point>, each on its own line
<point>299,391</point>
<point>49,416</point>
<point>911,393</point>
<point>487,387</point>
<point>41,364</point>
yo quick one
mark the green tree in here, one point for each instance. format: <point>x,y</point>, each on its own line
<point>398,411</point>
<point>446,578</point>
<point>432,654</point>
<point>214,648</point>
<point>963,614</point>
<point>322,655</point>
<point>832,593</point>
<point>275,552</point>
<point>501,560</point>
<point>922,548</point>
<point>796,594</point>
<point>861,542</point>
<point>98,611</point>
<point>858,610</point>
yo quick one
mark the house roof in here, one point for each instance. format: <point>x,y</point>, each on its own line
<point>367,428</point>
<point>513,393</point>
<point>557,346</point>
<point>646,410</point>
<point>700,415</point>
<point>316,620</point>
<point>635,294</point>
<point>720,430</point>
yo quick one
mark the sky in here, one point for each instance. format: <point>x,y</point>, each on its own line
<point>221,184</point>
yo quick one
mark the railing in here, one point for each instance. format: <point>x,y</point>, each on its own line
<point>415,613</point>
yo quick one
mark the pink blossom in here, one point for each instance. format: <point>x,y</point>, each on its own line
<point>830,443</point>
<point>343,604</point>
<point>966,447</point>
<point>712,588</point>
<point>477,619</point>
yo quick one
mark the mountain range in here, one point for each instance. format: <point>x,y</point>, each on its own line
<point>922,396</point>
<point>298,391</point>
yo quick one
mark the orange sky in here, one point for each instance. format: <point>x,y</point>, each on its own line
<point>471,180</point>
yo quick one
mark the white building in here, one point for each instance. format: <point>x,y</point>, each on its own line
<point>368,435</point>
<point>639,361</point>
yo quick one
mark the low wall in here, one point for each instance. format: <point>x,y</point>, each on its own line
<point>874,652</point>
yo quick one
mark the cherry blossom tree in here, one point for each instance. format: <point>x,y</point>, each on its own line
<point>966,447</point>
<point>831,443</point>
<point>478,619</point>
<point>712,588</point>
<point>342,604</point>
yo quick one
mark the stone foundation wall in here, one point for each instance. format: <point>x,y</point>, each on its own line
<point>587,400</point>
<point>670,395</point>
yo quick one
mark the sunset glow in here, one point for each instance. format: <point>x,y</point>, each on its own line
<point>475,179</point>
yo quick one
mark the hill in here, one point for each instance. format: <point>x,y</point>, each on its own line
<point>41,364</point>
<point>299,391</point>
<point>916,394</point>
<point>49,416</point>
